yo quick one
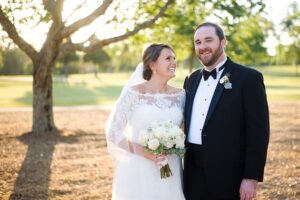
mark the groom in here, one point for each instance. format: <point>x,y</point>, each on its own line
<point>226,123</point>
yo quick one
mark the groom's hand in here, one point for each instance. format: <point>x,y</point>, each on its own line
<point>248,189</point>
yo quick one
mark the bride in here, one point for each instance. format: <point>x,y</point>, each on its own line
<point>146,98</point>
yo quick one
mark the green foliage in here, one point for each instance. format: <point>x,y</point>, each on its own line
<point>127,55</point>
<point>292,25</point>
<point>245,41</point>
<point>15,62</point>
<point>68,58</point>
<point>177,28</point>
<point>68,64</point>
<point>15,10</point>
<point>287,54</point>
<point>231,12</point>
<point>96,57</point>
<point>245,28</point>
<point>100,58</point>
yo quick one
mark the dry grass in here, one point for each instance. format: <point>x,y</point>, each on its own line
<point>73,164</point>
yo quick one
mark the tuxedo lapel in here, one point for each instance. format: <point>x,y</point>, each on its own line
<point>218,92</point>
<point>195,85</point>
<point>192,89</point>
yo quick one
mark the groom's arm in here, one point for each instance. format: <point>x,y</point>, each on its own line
<point>257,126</point>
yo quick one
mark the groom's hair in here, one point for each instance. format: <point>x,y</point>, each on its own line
<point>151,54</point>
<point>219,30</point>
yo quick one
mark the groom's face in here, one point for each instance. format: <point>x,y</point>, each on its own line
<point>208,46</point>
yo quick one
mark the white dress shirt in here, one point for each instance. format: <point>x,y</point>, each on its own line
<point>201,104</point>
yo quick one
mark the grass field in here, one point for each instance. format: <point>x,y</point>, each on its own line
<point>85,89</point>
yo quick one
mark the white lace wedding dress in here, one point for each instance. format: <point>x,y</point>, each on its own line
<point>137,178</point>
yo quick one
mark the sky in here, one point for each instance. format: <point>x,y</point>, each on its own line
<point>276,9</point>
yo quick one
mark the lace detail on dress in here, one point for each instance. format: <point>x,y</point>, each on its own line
<point>119,119</point>
<point>161,100</point>
<point>126,106</point>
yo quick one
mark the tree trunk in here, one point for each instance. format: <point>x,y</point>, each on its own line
<point>43,120</point>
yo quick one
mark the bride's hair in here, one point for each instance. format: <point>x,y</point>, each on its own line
<point>151,54</point>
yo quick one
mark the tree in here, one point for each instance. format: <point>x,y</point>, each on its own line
<point>246,41</point>
<point>65,60</point>
<point>1,60</point>
<point>58,41</point>
<point>15,62</point>
<point>178,27</point>
<point>292,25</point>
<point>99,58</point>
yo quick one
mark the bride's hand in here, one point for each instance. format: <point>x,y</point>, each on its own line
<point>158,159</point>
<point>150,156</point>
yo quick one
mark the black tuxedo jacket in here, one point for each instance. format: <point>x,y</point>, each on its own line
<point>235,135</point>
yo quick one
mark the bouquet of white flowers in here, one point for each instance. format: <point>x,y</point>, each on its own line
<point>162,138</point>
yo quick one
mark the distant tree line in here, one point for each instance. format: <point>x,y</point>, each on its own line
<point>123,57</point>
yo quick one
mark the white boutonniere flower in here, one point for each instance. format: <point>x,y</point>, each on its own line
<point>225,81</point>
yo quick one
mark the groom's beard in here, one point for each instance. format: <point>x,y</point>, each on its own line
<point>209,60</point>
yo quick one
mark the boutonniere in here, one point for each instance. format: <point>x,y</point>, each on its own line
<point>226,82</point>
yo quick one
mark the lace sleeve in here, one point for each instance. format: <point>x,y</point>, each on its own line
<point>116,124</point>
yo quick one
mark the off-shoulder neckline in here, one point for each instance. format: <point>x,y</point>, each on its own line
<point>131,89</point>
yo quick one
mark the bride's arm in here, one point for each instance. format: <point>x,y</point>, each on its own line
<point>116,123</point>
<point>115,126</point>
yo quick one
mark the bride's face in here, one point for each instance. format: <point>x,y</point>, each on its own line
<point>165,65</point>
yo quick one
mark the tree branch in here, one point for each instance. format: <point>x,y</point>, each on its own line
<point>13,34</point>
<point>49,6</point>
<point>78,7</point>
<point>100,43</point>
<point>55,9</point>
<point>86,20</point>
<point>58,10</point>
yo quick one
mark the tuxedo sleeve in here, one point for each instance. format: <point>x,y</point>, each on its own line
<point>256,126</point>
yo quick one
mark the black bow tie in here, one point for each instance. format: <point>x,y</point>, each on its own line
<point>206,74</point>
<point>213,73</point>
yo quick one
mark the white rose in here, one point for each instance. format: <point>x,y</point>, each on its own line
<point>222,80</point>
<point>181,135</point>
<point>169,144</point>
<point>179,143</point>
<point>168,124</point>
<point>159,132</point>
<point>171,132</point>
<point>153,144</point>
